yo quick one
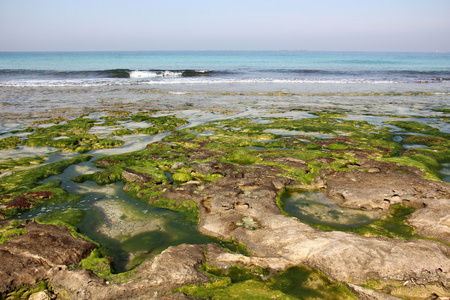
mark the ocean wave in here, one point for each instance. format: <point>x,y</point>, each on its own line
<point>169,73</point>
<point>7,74</point>
<point>307,74</point>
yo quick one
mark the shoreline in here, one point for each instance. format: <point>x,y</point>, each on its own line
<point>220,159</point>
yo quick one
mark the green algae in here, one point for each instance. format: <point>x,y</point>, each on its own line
<point>12,230</point>
<point>158,124</point>
<point>414,126</point>
<point>24,292</point>
<point>245,133</point>
<point>425,163</point>
<point>25,180</point>
<point>111,175</point>
<point>10,163</point>
<point>10,142</point>
<point>243,157</point>
<point>57,120</point>
<point>180,177</point>
<point>71,217</point>
<point>58,195</point>
<point>406,289</point>
<point>444,110</point>
<point>98,263</point>
<point>239,282</point>
<point>427,140</point>
<point>188,209</point>
<point>329,114</point>
<point>72,136</point>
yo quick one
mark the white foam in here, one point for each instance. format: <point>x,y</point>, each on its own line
<point>143,74</point>
<point>152,74</point>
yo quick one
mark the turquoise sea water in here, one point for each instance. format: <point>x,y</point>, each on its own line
<point>216,67</point>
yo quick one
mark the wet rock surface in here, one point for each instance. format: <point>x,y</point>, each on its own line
<point>241,206</point>
<point>28,258</point>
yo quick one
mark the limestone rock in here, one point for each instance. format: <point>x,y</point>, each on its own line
<point>433,220</point>
<point>42,295</point>
<point>366,294</point>
<point>363,190</point>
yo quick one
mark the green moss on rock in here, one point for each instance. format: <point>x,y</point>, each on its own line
<point>9,142</point>
<point>249,283</point>
<point>10,164</point>
<point>24,180</point>
<point>11,230</point>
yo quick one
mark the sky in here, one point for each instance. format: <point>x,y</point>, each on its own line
<point>327,25</point>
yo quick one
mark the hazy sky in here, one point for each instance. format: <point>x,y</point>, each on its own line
<point>378,25</point>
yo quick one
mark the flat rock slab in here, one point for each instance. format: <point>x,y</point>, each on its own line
<point>433,220</point>
<point>380,190</point>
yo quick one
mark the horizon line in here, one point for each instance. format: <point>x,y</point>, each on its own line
<point>229,50</point>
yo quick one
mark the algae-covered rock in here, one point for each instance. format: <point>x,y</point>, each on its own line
<point>9,142</point>
<point>28,258</point>
<point>173,268</point>
<point>181,177</point>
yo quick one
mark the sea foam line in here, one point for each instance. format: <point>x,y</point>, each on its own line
<point>178,79</point>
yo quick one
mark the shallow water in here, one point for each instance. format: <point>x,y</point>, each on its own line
<point>445,172</point>
<point>316,208</point>
<point>130,230</point>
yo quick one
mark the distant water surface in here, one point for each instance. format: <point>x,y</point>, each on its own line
<point>156,67</point>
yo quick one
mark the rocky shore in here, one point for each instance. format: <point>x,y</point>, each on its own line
<point>228,177</point>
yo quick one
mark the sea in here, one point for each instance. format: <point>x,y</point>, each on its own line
<point>31,81</point>
<point>222,67</point>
